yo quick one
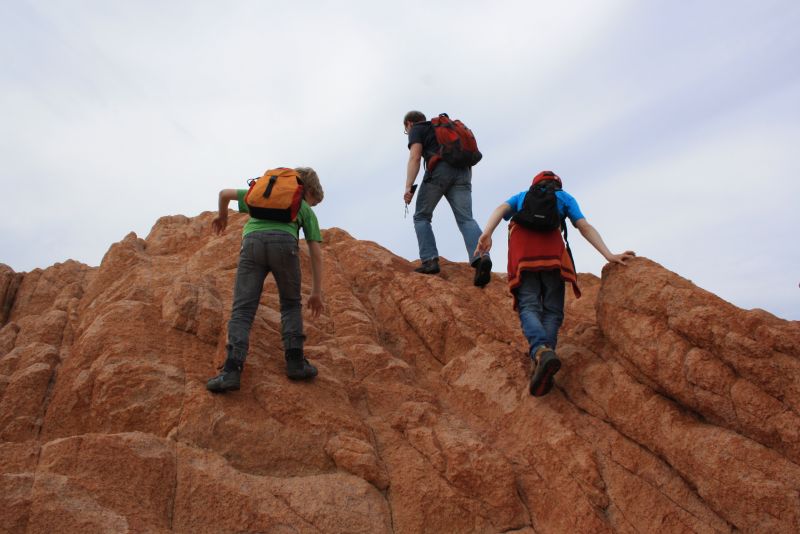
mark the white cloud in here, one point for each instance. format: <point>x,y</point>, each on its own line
<point>158,106</point>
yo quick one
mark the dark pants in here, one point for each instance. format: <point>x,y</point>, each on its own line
<point>540,301</point>
<point>263,253</point>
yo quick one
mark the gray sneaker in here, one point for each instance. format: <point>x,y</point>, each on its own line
<point>300,370</point>
<point>428,266</point>
<point>225,381</point>
<point>297,367</point>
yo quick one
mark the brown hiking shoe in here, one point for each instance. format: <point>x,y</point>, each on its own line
<point>546,365</point>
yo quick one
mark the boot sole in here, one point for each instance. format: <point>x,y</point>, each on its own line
<point>483,273</point>
<point>223,390</point>
<point>304,375</point>
<point>542,380</point>
<point>300,377</point>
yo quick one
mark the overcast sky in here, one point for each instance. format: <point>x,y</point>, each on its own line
<point>675,125</point>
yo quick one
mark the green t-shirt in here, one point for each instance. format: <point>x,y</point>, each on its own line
<point>305,220</point>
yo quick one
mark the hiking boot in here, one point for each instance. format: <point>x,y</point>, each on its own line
<point>546,365</point>
<point>297,367</point>
<point>483,271</point>
<point>428,266</point>
<point>227,380</point>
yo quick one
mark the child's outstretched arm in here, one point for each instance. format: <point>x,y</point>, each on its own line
<point>315,301</point>
<point>485,240</point>
<point>593,237</point>
<point>220,222</point>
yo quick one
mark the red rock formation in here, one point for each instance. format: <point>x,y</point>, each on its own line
<point>674,410</point>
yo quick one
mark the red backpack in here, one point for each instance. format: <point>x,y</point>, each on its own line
<point>457,145</point>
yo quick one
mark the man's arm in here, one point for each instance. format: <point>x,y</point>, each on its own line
<point>412,169</point>
<point>485,240</point>
<point>593,237</point>
<point>220,222</point>
<point>315,300</point>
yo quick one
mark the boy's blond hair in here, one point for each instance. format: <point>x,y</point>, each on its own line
<point>311,182</point>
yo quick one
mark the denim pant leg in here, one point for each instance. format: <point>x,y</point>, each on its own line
<point>250,275</point>
<point>552,305</point>
<point>529,306</point>
<point>459,195</point>
<point>430,193</point>
<point>284,261</point>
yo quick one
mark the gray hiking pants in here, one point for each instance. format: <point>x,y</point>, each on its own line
<point>263,253</point>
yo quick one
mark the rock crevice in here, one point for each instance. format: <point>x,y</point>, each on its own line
<point>674,411</point>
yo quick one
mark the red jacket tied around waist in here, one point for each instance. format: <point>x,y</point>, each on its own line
<point>529,250</point>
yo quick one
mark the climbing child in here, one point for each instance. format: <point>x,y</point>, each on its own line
<point>539,263</point>
<point>270,245</point>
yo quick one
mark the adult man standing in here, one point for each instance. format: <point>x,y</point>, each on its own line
<point>441,179</point>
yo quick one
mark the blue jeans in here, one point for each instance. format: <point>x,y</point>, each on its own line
<point>455,185</point>
<point>540,301</point>
<point>262,253</point>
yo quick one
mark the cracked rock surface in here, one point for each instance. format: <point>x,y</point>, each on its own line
<point>674,411</point>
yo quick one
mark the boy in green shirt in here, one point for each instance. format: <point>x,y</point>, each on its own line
<point>272,247</point>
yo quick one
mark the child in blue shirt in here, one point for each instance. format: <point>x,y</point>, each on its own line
<point>538,267</point>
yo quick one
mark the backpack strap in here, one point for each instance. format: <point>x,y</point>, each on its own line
<point>432,162</point>
<point>557,187</point>
<point>270,185</point>
<point>566,242</point>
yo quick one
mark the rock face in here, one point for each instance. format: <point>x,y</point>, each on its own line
<point>674,411</point>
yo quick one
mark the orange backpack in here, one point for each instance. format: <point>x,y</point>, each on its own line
<point>276,196</point>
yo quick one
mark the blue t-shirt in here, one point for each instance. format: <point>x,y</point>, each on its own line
<point>567,206</point>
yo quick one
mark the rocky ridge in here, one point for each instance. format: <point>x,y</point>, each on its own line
<point>674,411</point>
